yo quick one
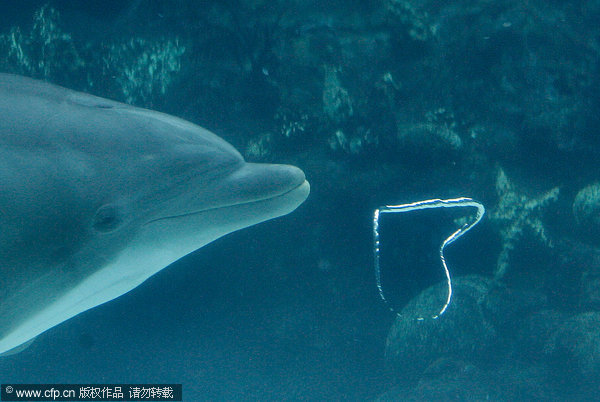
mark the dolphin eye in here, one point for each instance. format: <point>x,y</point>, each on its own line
<point>107,218</point>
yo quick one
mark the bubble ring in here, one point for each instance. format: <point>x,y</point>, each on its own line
<point>426,204</point>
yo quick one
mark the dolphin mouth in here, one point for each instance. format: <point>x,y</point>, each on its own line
<point>304,186</point>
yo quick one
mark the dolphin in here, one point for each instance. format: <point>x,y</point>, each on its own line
<point>96,196</point>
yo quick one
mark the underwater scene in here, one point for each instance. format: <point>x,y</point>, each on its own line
<point>379,200</point>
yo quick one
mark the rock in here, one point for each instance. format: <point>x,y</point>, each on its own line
<point>574,351</point>
<point>586,209</point>
<point>429,138</point>
<point>575,282</point>
<point>536,331</point>
<point>459,381</point>
<point>337,103</point>
<point>445,380</point>
<point>45,51</point>
<point>462,333</point>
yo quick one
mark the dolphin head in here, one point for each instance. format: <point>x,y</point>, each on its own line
<point>96,196</point>
<point>184,187</point>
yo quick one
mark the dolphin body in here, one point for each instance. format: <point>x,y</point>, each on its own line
<point>96,196</point>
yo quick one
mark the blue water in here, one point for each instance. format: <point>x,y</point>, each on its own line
<point>379,102</point>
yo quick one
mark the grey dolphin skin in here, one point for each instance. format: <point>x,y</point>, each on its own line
<point>96,196</point>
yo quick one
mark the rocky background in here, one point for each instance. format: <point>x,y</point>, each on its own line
<point>380,102</point>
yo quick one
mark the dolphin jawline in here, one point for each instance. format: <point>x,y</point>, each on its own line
<point>255,201</point>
